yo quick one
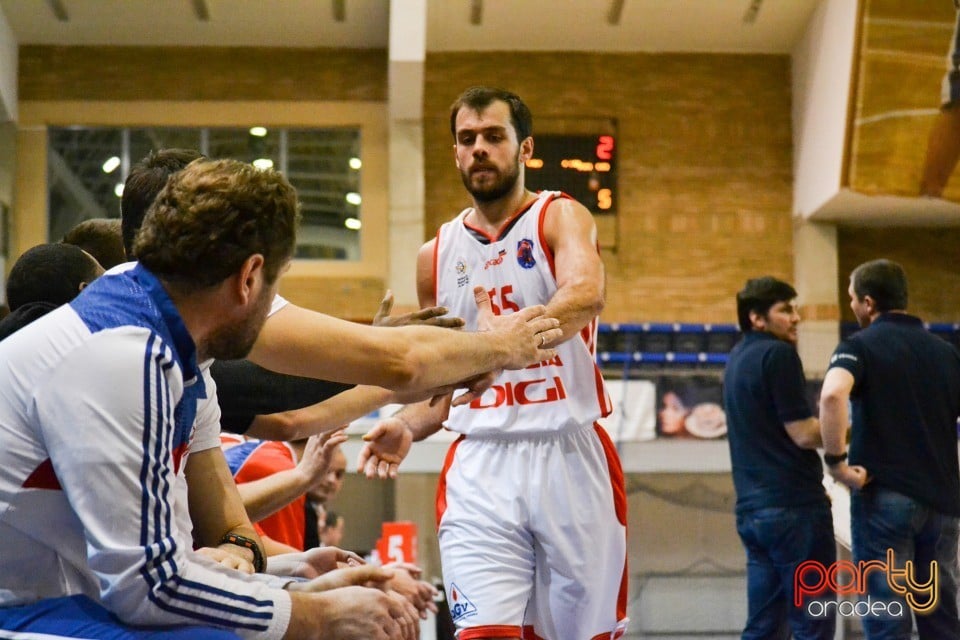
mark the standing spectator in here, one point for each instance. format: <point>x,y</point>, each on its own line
<point>783,513</point>
<point>903,384</point>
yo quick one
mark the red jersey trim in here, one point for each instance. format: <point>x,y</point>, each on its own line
<point>547,249</point>
<point>618,487</point>
<point>441,503</point>
<point>616,474</point>
<point>492,631</point>
<point>506,223</point>
<point>436,258</point>
<point>587,334</point>
<point>530,634</point>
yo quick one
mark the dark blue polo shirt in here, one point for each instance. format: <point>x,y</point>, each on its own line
<point>763,388</point>
<point>905,400</point>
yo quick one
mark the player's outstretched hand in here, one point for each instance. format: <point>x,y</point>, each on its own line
<point>526,333</point>
<point>366,575</point>
<point>312,563</point>
<point>436,316</point>
<point>318,454</point>
<point>386,445</point>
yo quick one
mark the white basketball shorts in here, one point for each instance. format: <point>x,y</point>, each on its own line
<point>532,534</point>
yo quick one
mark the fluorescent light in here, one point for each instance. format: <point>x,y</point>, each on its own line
<point>352,224</point>
<point>111,164</point>
<point>355,163</point>
<point>258,131</point>
<point>118,189</point>
<point>263,163</point>
<point>353,197</point>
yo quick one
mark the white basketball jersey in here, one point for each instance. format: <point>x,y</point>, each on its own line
<point>517,271</point>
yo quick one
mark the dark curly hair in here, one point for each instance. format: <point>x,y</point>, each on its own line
<point>213,215</point>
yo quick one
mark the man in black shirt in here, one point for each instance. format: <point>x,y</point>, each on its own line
<point>783,514</point>
<point>903,385</point>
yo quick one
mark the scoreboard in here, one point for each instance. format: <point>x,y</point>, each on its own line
<point>582,166</point>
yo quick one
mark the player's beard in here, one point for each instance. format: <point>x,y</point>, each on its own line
<point>235,341</point>
<point>500,187</point>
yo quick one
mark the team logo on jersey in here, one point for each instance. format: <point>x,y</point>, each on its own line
<point>525,254</point>
<point>494,262</point>
<point>460,605</point>
<point>463,278</point>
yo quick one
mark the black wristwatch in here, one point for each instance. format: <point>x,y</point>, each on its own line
<point>833,460</point>
<point>259,562</point>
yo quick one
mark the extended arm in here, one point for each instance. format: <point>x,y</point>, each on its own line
<point>333,413</point>
<point>267,495</point>
<point>301,342</point>
<point>388,443</point>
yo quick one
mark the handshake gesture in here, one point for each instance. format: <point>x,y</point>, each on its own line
<point>526,337</point>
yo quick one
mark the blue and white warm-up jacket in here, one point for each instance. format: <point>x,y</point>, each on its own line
<point>100,403</point>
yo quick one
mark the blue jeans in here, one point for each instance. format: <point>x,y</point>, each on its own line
<point>776,540</point>
<point>882,519</point>
<point>80,617</point>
